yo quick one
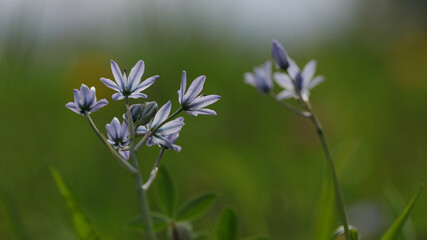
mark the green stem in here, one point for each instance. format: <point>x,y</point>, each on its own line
<point>116,155</point>
<point>290,107</point>
<point>338,194</point>
<point>142,198</point>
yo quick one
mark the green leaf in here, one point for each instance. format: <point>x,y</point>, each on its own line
<point>226,226</point>
<point>81,223</point>
<point>196,206</point>
<point>394,230</point>
<point>326,214</point>
<point>160,222</point>
<point>165,192</point>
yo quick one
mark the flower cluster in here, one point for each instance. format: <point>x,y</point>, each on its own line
<point>294,82</point>
<point>155,126</point>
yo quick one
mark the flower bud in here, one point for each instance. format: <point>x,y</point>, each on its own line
<point>279,55</point>
<point>181,231</point>
<point>149,109</point>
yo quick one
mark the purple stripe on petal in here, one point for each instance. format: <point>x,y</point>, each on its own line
<point>101,103</point>
<point>194,89</point>
<point>84,95</point>
<point>182,87</point>
<point>203,101</point>
<point>162,114</point>
<point>135,74</point>
<point>203,111</point>
<point>76,97</point>
<point>110,84</point>
<point>117,96</point>
<point>72,106</point>
<point>117,73</point>
<point>170,127</point>
<point>137,95</point>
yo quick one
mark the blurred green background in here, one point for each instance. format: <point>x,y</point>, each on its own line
<point>265,162</point>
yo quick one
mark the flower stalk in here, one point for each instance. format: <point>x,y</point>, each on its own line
<point>142,198</point>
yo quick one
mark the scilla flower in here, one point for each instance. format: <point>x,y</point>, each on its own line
<point>118,134</point>
<point>190,102</point>
<point>128,86</point>
<point>85,101</point>
<point>164,135</point>
<point>261,78</point>
<point>303,80</point>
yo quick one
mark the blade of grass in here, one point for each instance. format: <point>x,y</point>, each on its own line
<point>82,225</point>
<point>395,229</point>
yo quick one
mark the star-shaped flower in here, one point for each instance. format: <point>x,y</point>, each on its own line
<point>118,134</point>
<point>261,78</point>
<point>128,86</point>
<point>303,80</point>
<point>190,102</point>
<point>166,135</point>
<point>85,101</point>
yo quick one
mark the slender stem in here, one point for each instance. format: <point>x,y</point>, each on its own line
<point>290,107</point>
<point>154,170</point>
<point>116,155</point>
<point>149,133</point>
<point>338,194</point>
<point>142,198</point>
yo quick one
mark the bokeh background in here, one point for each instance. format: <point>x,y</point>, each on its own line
<point>265,162</point>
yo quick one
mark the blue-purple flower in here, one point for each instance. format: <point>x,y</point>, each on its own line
<point>279,55</point>
<point>85,101</point>
<point>131,86</point>
<point>304,80</point>
<point>118,134</point>
<point>261,78</point>
<point>190,102</point>
<point>124,154</point>
<point>167,134</point>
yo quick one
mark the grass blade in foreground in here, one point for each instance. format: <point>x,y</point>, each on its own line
<point>226,226</point>
<point>394,230</point>
<point>81,223</point>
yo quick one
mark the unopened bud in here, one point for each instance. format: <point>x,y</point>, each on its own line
<point>280,56</point>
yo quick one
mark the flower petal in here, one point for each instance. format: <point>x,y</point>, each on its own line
<point>72,106</point>
<point>203,101</point>
<point>141,130</point>
<point>84,95</point>
<point>162,114</point>
<point>137,95</point>
<point>170,127</point>
<point>101,103</point>
<point>183,85</point>
<point>145,84</point>
<point>135,74</point>
<point>249,79</point>
<point>117,96</point>
<point>293,69</point>
<point>308,72</point>
<point>110,84</point>
<point>117,73</point>
<point>285,94</point>
<point>204,111</point>
<point>194,89</point>
<point>316,81</point>
<point>76,97</point>
<point>284,81</point>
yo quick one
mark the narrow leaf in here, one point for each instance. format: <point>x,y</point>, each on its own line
<point>226,226</point>
<point>82,225</point>
<point>394,230</point>
<point>165,192</point>
<point>326,214</point>
<point>11,218</point>
<point>160,223</point>
<point>196,206</point>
